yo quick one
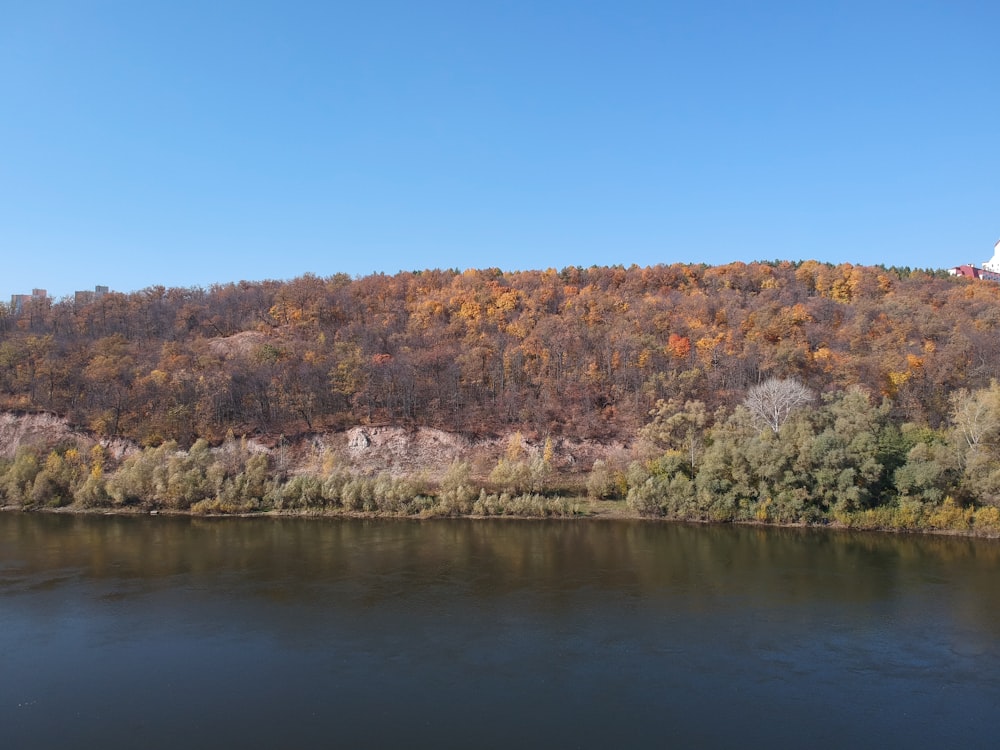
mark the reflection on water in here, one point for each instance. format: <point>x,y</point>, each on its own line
<point>260,632</point>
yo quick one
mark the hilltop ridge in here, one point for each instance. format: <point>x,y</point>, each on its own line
<point>577,353</point>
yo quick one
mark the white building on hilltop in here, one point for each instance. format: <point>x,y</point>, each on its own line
<point>990,270</point>
<point>993,264</point>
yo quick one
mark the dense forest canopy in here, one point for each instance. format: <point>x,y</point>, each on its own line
<point>581,352</point>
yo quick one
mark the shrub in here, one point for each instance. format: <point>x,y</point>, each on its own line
<point>456,492</point>
<point>250,490</point>
<point>647,499</point>
<point>93,492</point>
<point>301,492</point>
<point>19,479</point>
<point>949,516</point>
<point>527,505</point>
<point>601,482</point>
<point>987,520</point>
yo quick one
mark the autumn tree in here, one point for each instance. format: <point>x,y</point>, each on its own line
<point>581,352</point>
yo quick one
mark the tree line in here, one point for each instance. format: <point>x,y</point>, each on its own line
<point>783,456</point>
<point>577,352</point>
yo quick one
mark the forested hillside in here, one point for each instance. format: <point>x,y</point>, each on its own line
<point>577,352</point>
<point>770,392</point>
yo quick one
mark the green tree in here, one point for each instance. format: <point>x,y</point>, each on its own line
<point>679,427</point>
<point>727,479</point>
<point>931,471</point>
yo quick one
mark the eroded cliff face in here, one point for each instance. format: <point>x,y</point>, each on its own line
<point>399,451</point>
<point>44,431</point>
<point>403,451</point>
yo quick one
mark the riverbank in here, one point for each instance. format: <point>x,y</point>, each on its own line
<point>579,508</point>
<point>582,509</point>
<point>377,473</point>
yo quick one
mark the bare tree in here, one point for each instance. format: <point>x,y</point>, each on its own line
<point>976,415</point>
<point>773,400</point>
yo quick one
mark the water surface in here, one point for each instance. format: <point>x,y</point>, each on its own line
<point>163,632</point>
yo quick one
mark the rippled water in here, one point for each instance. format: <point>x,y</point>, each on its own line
<point>168,632</point>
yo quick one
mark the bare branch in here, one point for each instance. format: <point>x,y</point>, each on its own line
<point>772,401</point>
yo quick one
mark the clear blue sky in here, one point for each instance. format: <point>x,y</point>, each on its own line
<point>187,143</point>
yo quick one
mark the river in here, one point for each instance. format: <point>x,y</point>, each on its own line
<point>164,632</point>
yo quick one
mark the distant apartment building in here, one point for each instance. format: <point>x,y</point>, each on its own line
<point>18,301</point>
<point>86,297</point>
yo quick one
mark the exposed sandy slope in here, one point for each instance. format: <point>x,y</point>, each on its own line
<point>364,449</point>
<point>408,451</point>
<point>43,430</point>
